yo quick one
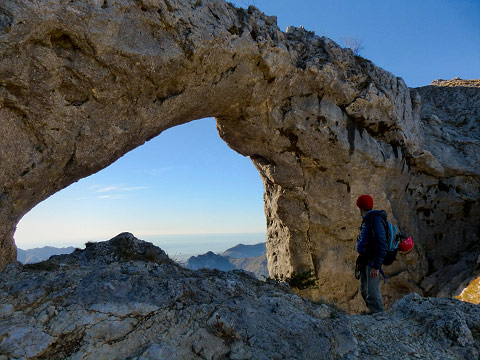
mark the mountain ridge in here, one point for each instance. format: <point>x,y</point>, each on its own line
<point>251,258</point>
<point>246,251</point>
<point>40,254</point>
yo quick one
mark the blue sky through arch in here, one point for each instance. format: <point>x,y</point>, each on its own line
<point>184,181</point>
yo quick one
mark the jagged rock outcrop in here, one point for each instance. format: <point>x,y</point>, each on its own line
<point>82,83</point>
<point>125,299</point>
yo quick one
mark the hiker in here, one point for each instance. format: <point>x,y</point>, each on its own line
<point>372,248</point>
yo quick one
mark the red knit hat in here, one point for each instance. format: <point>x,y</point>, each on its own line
<point>365,202</point>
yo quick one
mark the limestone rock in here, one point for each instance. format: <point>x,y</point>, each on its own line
<point>456,82</point>
<point>84,82</point>
<point>125,298</point>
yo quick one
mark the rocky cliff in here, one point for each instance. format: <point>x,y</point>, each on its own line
<point>125,299</point>
<point>84,82</point>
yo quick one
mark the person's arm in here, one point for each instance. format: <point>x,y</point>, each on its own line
<point>362,240</point>
<point>380,235</point>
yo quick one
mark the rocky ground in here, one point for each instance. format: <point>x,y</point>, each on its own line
<point>125,299</point>
<point>457,82</point>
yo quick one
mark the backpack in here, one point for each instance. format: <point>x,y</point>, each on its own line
<point>393,239</point>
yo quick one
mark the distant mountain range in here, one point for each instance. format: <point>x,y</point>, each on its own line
<point>250,258</point>
<point>39,254</point>
<point>246,251</point>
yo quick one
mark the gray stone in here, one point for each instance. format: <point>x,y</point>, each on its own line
<point>6,310</point>
<point>405,349</point>
<point>240,351</point>
<point>160,310</point>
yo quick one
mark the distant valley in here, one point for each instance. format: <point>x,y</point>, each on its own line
<point>251,258</point>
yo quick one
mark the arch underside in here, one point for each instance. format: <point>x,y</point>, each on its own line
<point>81,84</point>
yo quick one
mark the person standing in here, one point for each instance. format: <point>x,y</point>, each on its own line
<point>372,247</point>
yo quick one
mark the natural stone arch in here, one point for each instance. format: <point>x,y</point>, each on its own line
<point>82,83</point>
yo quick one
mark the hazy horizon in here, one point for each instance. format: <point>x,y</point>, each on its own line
<point>182,244</point>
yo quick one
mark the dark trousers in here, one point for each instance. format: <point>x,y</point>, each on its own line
<point>370,290</point>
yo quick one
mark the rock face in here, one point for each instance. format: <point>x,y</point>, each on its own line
<point>125,299</point>
<point>82,83</point>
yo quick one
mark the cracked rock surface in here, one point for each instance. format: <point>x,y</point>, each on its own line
<point>125,299</point>
<point>84,82</point>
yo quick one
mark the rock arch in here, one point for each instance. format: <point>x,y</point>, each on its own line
<point>82,83</point>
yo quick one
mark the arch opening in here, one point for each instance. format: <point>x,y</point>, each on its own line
<point>184,190</point>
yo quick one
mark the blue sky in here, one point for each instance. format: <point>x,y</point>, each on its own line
<point>184,181</point>
<point>187,180</point>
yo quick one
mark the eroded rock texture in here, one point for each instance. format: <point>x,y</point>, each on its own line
<point>124,298</point>
<point>84,82</point>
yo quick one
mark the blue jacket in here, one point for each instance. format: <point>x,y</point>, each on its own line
<point>372,242</point>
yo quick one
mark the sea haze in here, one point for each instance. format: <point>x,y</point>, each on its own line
<point>183,246</point>
<point>179,247</point>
